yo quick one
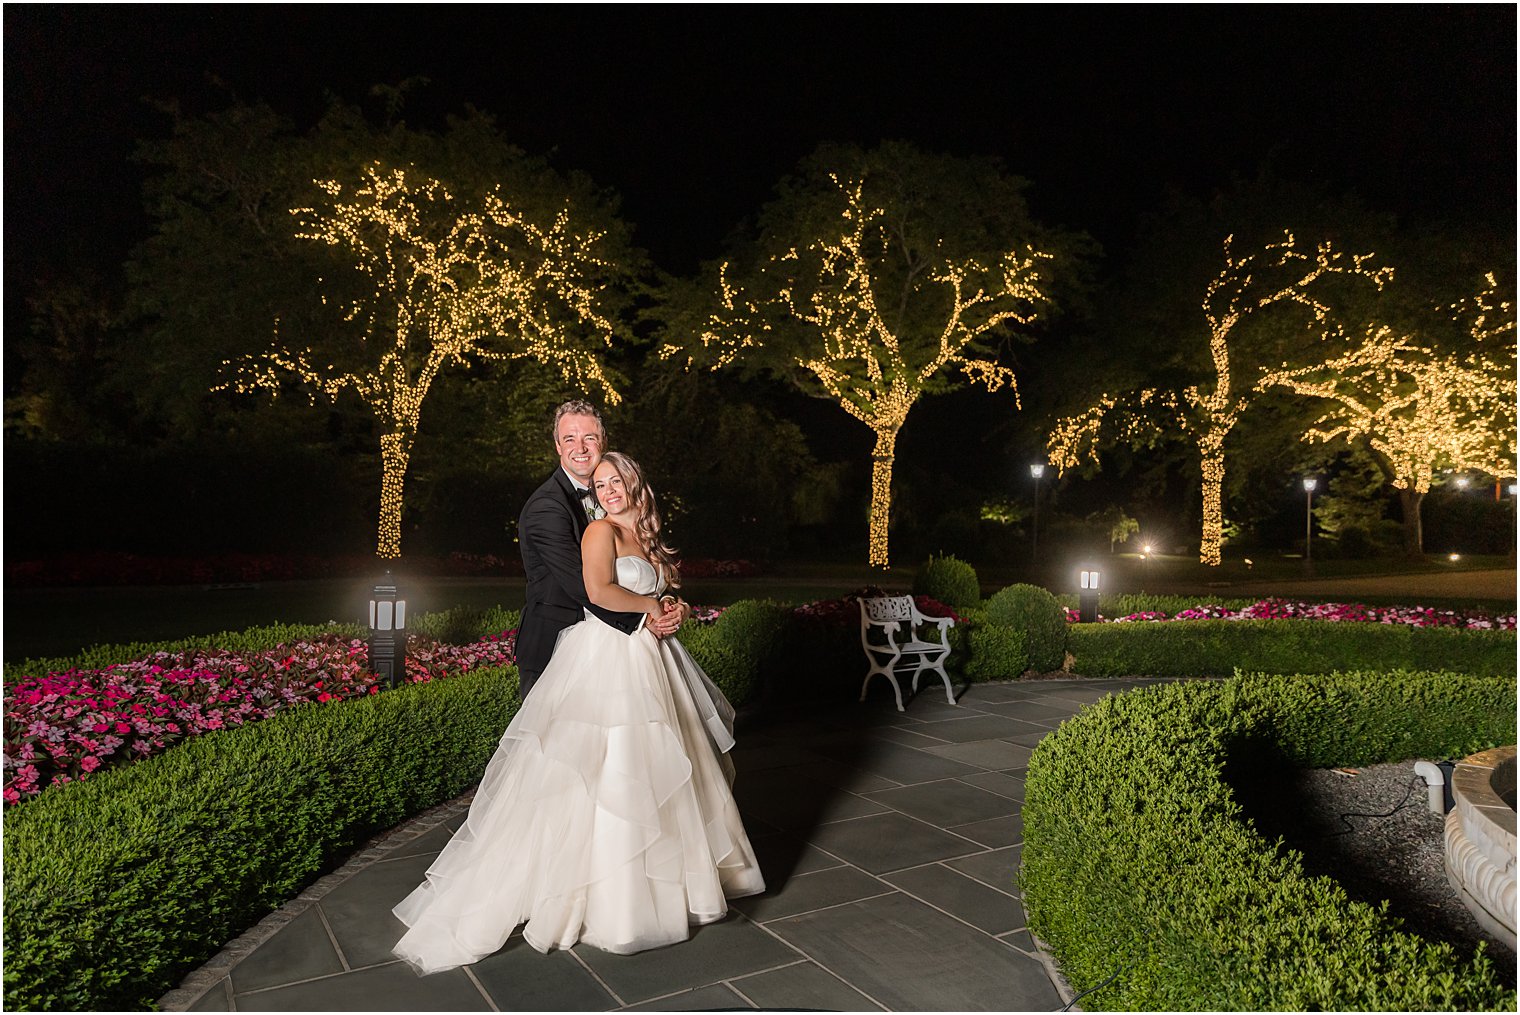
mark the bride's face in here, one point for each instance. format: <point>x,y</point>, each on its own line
<point>610,492</point>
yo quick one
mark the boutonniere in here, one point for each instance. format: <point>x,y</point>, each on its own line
<point>593,509</point>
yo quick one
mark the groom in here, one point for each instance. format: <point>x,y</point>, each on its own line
<point>549,537</point>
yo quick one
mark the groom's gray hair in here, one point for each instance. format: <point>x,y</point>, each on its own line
<point>576,407</point>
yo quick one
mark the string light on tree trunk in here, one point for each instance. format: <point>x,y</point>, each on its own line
<point>1206,413</point>
<point>875,370</point>
<point>451,282</point>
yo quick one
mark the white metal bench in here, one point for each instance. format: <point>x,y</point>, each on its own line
<point>889,632</point>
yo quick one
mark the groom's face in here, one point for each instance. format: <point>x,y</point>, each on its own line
<point>579,443</point>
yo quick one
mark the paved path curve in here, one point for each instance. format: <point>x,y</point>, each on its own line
<point>889,841</point>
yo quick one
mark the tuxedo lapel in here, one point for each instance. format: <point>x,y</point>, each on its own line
<point>573,498</point>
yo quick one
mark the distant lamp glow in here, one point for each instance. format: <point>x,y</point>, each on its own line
<point>1147,549</point>
<point>1512,489</point>
<point>387,632</point>
<point>1455,557</point>
<point>1248,562</point>
<point>1462,482</point>
<point>1037,470</point>
<point>1087,596</point>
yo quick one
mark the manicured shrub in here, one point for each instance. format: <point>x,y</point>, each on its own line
<point>1219,647</point>
<point>950,580</point>
<point>993,652</point>
<point>1036,613</point>
<point>739,648</point>
<point>117,886</point>
<point>1137,859</point>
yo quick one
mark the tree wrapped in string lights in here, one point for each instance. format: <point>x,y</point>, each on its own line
<point>1420,410</point>
<point>865,305</point>
<point>436,281</point>
<point>1280,273</point>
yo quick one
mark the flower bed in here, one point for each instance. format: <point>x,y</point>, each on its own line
<point>1286,609</point>
<point>62,726</point>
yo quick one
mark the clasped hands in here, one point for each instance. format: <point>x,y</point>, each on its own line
<point>672,614</point>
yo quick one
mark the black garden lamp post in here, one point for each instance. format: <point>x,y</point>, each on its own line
<point>387,632</point>
<point>1309,484</point>
<point>1087,596</point>
<point>1035,472</point>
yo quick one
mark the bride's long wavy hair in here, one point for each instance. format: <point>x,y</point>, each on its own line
<point>646,517</point>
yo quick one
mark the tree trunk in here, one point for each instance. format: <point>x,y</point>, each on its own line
<point>881,494</point>
<point>1414,531</point>
<point>395,454</point>
<point>1212,449</point>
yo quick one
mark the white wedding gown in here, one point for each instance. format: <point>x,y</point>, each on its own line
<point>606,814</point>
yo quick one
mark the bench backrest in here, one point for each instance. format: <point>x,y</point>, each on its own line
<point>888,609</point>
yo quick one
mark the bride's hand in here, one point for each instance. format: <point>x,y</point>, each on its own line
<point>668,620</point>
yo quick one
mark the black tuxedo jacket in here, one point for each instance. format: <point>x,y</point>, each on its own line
<point>549,537</point>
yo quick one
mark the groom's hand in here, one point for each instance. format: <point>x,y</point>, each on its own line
<point>673,614</point>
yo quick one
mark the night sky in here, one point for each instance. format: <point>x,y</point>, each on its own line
<point>693,113</point>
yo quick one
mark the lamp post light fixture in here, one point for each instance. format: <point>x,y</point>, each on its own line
<point>1309,484</point>
<point>387,632</point>
<point>1087,596</point>
<point>1036,471</point>
<point>1461,482</point>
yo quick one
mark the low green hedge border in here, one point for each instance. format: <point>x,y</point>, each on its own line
<point>794,655</point>
<point>1217,648</point>
<point>1137,860</point>
<point>117,886</point>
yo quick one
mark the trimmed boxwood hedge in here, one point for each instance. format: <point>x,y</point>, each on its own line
<point>740,648</point>
<point>117,886</point>
<point>1217,648</point>
<point>1138,861</point>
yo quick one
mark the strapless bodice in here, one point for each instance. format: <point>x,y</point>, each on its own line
<point>638,576</point>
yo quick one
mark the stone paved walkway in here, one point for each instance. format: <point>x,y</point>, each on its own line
<point>889,841</point>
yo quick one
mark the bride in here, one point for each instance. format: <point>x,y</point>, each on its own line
<point>606,814</point>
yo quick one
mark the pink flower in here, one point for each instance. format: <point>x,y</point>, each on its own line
<point>89,762</point>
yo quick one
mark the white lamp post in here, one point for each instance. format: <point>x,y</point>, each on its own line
<point>1036,470</point>
<point>1309,484</point>
<point>387,632</point>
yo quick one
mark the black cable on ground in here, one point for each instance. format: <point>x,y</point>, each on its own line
<point>1350,828</point>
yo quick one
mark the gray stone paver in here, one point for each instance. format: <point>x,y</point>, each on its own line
<point>889,842</point>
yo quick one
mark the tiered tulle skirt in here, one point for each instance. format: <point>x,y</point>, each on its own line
<point>606,815</point>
